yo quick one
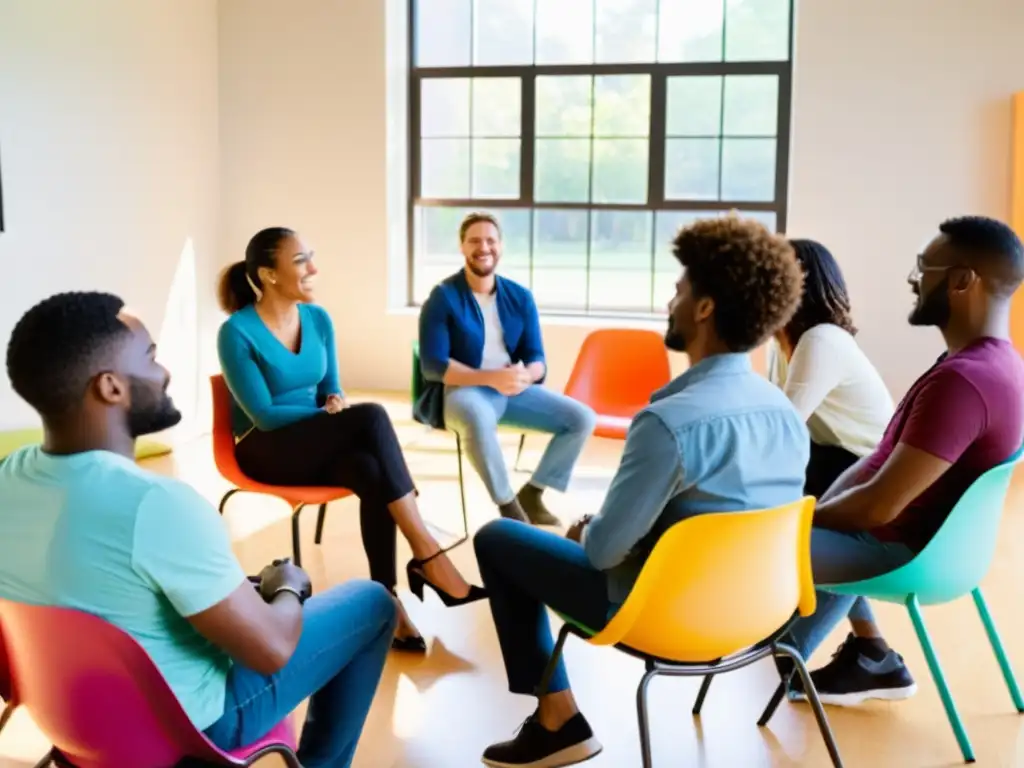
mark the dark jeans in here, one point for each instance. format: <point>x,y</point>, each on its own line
<point>826,464</point>
<point>346,634</point>
<point>524,569</point>
<point>355,449</point>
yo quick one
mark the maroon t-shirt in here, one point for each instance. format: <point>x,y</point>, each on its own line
<point>967,409</point>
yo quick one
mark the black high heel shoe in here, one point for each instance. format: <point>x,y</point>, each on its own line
<point>415,573</point>
<point>413,643</point>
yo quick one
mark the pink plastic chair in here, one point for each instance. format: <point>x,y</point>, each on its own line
<point>99,698</point>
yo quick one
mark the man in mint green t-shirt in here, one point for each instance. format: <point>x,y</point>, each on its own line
<point>83,526</point>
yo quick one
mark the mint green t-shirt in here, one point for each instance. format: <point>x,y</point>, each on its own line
<point>96,532</point>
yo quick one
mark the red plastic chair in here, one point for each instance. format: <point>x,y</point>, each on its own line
<point>102,702</point>
<point>617,371</point>
<point>297,496</point>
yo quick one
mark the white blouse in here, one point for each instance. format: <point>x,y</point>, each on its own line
<point>835,388</point>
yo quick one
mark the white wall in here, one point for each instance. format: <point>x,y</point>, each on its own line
<point>901,118</point>
<point>108,155</point>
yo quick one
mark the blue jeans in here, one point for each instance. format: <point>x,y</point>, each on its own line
<point>346,634</point>
<point>524,569</point>
<point>837,557</point>
<point>474,414</point>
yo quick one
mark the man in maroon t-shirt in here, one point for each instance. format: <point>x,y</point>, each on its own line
<point>964,416</point>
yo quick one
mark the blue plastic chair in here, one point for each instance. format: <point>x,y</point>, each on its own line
<point>952,564</point>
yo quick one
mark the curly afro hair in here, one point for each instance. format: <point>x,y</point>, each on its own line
<point>751,274</point>
<point>59,345</point>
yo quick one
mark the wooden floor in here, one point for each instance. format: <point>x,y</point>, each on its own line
<point>442,710</point>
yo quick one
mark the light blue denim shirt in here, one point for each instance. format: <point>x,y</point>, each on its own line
<point>719,438</point>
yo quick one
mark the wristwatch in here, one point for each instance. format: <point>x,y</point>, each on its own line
<point>293,590</point>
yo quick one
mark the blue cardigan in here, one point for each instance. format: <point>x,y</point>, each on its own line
<point>271,385</point>
<point>452,327</point>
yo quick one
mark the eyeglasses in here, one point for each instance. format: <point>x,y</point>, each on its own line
<point>920,268</point>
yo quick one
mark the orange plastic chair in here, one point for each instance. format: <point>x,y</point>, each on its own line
<point>718,592</point>
<point>296,496</point>
<point>617,371</point>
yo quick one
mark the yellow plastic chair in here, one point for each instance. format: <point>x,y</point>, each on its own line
<point>717,593</point>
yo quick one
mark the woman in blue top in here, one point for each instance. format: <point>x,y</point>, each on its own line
<point>293,425</point>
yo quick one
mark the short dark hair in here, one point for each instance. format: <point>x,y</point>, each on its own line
<point>476,218</point>
<point>991,247</point>
<point>825,298</point>
<point>59,345</point>
<point>233,290</point>
<point>751,274</point>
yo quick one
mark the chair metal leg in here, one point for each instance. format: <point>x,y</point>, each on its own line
<point>225,498</point>
<point>773,704</point>
<point>46,760</point>
<point>320,523</point>
<point>6,715</point>
<point>462,493</point>
<point>998,649</point>
<point>705,684</point>
<point>296,547</point>
<point>812,696</point>
<point>641,714</point>
<point>549,670</point>
<point>940,679</point>
<point>519,453</point>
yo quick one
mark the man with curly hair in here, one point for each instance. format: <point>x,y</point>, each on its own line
<point>961,418</point>
<point>718,438</point>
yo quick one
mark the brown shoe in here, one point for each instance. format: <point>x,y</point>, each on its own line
<point>513,511</point>
<point>529,499</point>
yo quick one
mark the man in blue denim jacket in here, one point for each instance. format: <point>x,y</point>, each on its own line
<point>482,357</point>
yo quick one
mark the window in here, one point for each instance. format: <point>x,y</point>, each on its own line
<point>593,129</point>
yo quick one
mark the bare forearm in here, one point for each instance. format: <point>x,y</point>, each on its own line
<point>286,629</point>
<point>845,481</point>
<point>459,375</point>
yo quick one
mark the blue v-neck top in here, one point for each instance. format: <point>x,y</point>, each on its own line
<point>271,385</point>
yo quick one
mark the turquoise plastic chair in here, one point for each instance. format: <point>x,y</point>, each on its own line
<point>952,564</point>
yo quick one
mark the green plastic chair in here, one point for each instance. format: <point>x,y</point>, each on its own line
<point>952,564</point>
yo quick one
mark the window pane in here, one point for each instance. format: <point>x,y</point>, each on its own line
<point>748,169</point>
<point>622,105</point>
<point>620,171</point>
<point>444,107</point>
<point>751,105</point>
<point>560,259</point>
<point>565,32</point>
<point>626,30</point>
<point>497,106</point>
<point>563,105</point>
<point>667,225</point>
<point>444,170</point>
<point>694,106</point>
<point>691,169</point>
<point>504,32</point>
<point>442,33</point>
<point>757,30</point>
<point>436,253</point>
<point>765,217</point>
<point>690,30</point>
<point>562,173</point>
<point>620,260</point>
<point>515,243</point>
<point>496,168</point>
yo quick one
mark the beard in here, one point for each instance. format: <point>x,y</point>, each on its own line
<point>152,409</point>
<point>674,338</point>
<point>932,309</point>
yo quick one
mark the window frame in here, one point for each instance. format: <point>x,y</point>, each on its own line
<point>659,73</point>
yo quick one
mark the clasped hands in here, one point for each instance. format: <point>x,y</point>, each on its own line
<point>282,574</point>
<point>512,379</point>
<point>335,403</point>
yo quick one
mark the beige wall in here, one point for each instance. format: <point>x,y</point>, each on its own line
<point>108,146</point>
<point>901,118</point>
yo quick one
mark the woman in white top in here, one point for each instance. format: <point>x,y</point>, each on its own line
<point>824,372</point>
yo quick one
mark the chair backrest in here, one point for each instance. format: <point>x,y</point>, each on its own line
<point>223,433</point>
<point>95,693</point>
<point>5,672</point>
<point>618,369</point>
<point>959,555</point>
<point>718,583</point>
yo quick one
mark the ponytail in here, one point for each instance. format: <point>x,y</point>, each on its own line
<point>234,291</point>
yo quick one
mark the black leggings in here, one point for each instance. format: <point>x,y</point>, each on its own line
<point>357,449</point>
<point>827,463</point>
